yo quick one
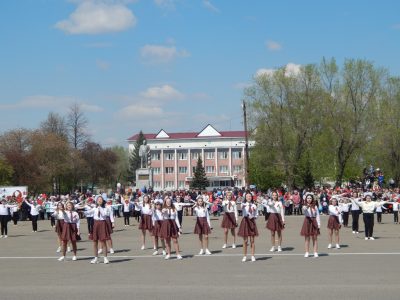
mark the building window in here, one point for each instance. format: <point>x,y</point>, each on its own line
<point>237,169</point>
<point>210,155</point>
<point>181,184</point>
<point>210,169</point>
<point>182,155</point>
<point>169,156</point>
<point>182,170</point>
<point>223,155</point>
<point>155,156</point>
<point>223,169</point>
<point>169,184</point>
<point>169,170</point>
<point>156,171</point>
<point>237,154</point>
<point>157,184</point>
<point>238,182</point>
<point>195,155</point>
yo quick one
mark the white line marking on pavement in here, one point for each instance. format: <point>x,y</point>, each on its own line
<point>207,256</point>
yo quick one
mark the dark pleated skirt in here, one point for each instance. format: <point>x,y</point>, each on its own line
<point>100,231</point>
<point>229,221</point>
<point>146,223</point>
<point>109,226</point>
<point>169,229</point>
<point>248,227</point>
<point>310,227</point>
<point>202,226</point>
<point>69,232</point>
<point>59,227</point>
<point>275,222</point>
<point>333,223</point>
<point>157,229</point>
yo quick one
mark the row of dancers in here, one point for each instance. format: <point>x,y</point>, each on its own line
<point>160,218</point>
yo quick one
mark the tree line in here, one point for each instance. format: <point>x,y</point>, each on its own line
<point>59,156</point>
<point>324,122</point>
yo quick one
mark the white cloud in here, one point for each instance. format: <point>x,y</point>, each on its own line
<point>244,85</point>
<point>262,71</point>
<point>161,54</point>
<point>141,110</point>
<point>273,45</point>
<point>207,4</point>
<point>165,4</point>
<point>95,17</point>
<point>59,103</point>
<point>102,65</point>
<point>291,69</point>
<point>164,92</point>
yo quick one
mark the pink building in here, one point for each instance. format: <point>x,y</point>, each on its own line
<point>174,157</point>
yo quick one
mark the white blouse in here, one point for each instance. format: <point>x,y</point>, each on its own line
<point>231,209</point>
<point>312,213</point>
<point>72,217</point>
<point>249,210</point>
<point>202,212</point>
<point>144,209</point>
<point>274,207</point>
<point>171,214</point>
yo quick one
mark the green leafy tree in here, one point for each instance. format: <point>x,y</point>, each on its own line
<point>134,158</point>
<point>6,172</point>
<point>200,180</point>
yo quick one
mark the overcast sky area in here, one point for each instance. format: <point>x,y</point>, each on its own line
<point>172,64</point>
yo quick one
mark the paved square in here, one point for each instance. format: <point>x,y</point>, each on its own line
<point>360,270</point>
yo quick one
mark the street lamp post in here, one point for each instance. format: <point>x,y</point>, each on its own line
<point>246,146</point>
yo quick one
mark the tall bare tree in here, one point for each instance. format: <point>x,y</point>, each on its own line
<point>77,126</point>
<point>55,124</point>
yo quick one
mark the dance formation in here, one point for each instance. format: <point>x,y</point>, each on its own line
<point>161,218</point>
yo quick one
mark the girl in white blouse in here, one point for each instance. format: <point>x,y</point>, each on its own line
<point>248,227</point>
<point>157,219</point>
<point>70,230</point>
<point>334,222</point>
<point>276,219</point>
<point>58,215</point>
<point>311,224</point>
<point>203,225</point>
<point>146,222</point>
<point>230,219</point>
<point>170,227</point>
<point>35,209</point>
<point>5,217</point>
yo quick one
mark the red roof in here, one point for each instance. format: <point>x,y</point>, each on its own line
<point>190,135</point>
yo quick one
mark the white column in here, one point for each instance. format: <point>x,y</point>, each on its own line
<point>189,163</point>
<point>176,168</point>
<point>230,161</point>
<point>244,183</point>
<point>216,161</point>
<point>162,169</point>
<point>202,156</point>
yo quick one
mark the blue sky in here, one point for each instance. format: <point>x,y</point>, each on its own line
<point>172,64</point>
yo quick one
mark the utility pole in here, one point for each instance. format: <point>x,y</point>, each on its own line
<point>246,146</point>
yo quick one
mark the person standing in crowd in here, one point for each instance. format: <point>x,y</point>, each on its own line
<point>35,209</point>
<point>100,231</point>
<point>49,207</point>
<point>70,230</point>
<point>344,207</point>
<point>15,214</point>
<point>334,222</point>
<point>311,225</point>
<point>89,214</point>
<point>248,227</point>
<point>395,207</point>
<point>379,209</point>
<point>58,215</point>
<point>110,221</point>
<point>126,210</point>
<point>146,223</point>
<point>296,203</point>
<point>368,207</point>
<point>5,217</point>
<point>276,220</point>
<point>230,219</point>
<point>157,219</point>
<point>355,212</point>
<point>179,205</point>
<point>170,227</point>
<point>203,225</point>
